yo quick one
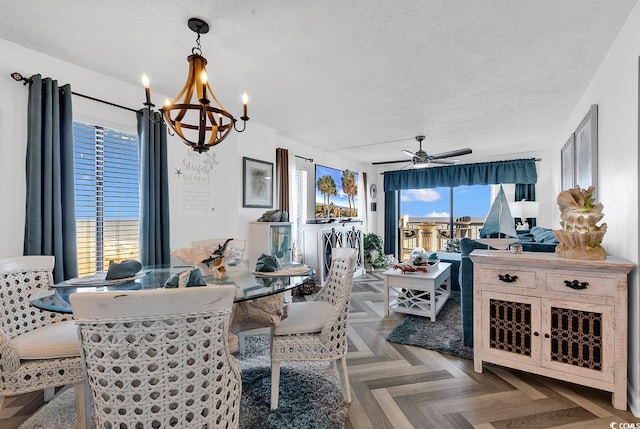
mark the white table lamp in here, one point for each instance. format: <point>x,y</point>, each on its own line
<point>524,209</point>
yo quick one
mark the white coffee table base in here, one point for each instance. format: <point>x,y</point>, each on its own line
<point>418,293</point>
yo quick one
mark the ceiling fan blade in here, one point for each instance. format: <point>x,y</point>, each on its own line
<point>388,162</point>
<point>408,153</point>
<point>453,153</point>
<point>443,161</point>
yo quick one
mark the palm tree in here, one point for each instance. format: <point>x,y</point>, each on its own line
<point>349,187</point>
<point>327,187</point>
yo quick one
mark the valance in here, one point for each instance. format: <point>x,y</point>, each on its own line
<point>483,173</point>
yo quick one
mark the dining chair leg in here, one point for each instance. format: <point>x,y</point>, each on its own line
<point>49,393</point>
<point>344,379</point>
<point>1,401</point>
<point>275,384</point>
<point>83,405</point>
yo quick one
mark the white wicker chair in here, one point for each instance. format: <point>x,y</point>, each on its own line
<point>39,350</point>
<point>159,358</point>
<point>317,330</point>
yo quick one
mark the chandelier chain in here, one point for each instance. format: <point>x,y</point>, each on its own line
<point>197,47</point>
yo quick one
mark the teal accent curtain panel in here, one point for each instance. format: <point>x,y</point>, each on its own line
<point>483,173</point>
<point>154,189</point>
<point>50,220</point>
<point>390,222</point>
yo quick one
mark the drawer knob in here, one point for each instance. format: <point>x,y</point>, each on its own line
<point>507,278</point>
<point>547,336</point>
<point>576,284</point>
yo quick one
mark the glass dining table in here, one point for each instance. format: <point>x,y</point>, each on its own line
<point>249,285</point>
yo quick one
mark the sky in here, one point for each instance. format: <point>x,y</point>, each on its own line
<point>473,201</point>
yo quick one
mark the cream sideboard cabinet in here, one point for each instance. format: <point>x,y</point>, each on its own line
<point>319,239</point>
<point>270,238</point>
<point>557,317</point>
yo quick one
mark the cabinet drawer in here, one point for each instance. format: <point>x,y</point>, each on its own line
<point>509,277</point>
<point>590,285</point>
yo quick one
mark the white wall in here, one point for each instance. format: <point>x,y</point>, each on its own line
<point>614,89</point>
<point>224,217</point>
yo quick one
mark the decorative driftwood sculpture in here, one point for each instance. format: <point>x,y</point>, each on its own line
<point>257,313</point>
<point>580,236</point>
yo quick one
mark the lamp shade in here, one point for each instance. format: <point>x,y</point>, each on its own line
<point>524,209</point>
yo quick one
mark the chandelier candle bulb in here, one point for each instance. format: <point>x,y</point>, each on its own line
<point>147,91</point>
<point>245,101</point>
<point>203,79</point>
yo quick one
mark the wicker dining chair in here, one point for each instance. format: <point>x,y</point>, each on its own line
<point>317,330</point>
<point>159,357</point>
<point>39,350</point>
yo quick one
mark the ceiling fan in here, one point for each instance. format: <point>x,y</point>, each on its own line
<point>423,159</point>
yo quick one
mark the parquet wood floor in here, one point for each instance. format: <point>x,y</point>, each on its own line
<point>397,386</point>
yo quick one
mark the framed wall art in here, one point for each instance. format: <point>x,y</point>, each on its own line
<point>567,160</point>
<point>586,150</point>
<point>257,183</point>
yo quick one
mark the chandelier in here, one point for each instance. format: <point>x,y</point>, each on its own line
<point>203,122</point>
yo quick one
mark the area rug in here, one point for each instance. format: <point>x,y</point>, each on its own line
<point>310,396</point>
<point>444,335</point>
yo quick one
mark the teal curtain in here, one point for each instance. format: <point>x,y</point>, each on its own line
<point>521,171</point>
<point>50,220</point>
<point>154,189</point>
<point>390,222</point>
<point>485,173</point>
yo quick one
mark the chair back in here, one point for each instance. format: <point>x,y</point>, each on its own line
<point>160,357</point>
<point>337,291</point>
<point>20,276</point>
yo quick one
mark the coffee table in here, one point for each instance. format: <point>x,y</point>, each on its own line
<point>422,294</point>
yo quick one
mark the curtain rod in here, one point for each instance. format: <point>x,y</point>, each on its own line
<point>302,157</point>
<point>19,78</point>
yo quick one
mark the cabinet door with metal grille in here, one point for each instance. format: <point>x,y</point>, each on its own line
<point>578,338</point>
<point>511,326</point>
<point>353,239</point>
<point>330,239</point>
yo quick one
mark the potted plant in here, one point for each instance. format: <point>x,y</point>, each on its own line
<point>373,251</point>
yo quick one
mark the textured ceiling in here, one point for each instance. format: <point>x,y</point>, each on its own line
<point>349,76</point>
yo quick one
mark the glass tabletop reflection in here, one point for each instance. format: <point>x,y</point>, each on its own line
<point>249,286</point>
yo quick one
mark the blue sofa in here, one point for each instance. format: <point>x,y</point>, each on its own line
<point>537,240</point>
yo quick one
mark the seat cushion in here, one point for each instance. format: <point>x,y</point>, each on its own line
<point>58,340</point>
<point>304,318</point>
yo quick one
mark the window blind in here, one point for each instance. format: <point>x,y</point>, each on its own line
<point>299,209</point>
<point>107,183</point>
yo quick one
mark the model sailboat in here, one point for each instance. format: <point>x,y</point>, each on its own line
<point>499,229</point>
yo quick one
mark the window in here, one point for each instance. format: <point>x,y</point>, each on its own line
<point>299,210</point>
<point>473,201</point>
<point>107,185</point>
<point>436,205</point>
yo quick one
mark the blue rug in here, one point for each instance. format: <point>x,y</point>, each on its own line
<point>310,394</point>
<point>444,335</point>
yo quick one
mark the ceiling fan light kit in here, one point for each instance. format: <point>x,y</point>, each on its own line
<point>421,159</point>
